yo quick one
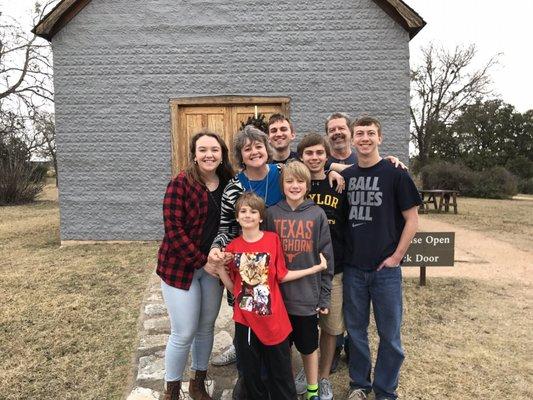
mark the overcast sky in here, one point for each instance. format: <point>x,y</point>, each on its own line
<point>494,26</point>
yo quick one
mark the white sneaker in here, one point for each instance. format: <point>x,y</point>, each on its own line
<point>325,391</point>
<point>228,356</point>
<point>300,382</point>
<point>357,394</point>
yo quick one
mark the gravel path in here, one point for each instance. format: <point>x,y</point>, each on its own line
<point>478,256</point>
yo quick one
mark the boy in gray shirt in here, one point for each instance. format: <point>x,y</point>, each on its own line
<point>304,232</point>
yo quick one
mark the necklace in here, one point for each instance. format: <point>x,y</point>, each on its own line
<point>266,189</point>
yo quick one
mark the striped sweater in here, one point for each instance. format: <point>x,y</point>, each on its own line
<point>228,228</point>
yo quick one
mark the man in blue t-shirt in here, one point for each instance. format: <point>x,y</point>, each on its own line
<point>382,220</point>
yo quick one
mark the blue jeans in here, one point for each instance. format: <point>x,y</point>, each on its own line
<point>192,323</point>
<point>384,289</point>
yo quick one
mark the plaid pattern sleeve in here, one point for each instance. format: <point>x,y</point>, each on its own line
<point>184,214</point>
<point>228,228</point>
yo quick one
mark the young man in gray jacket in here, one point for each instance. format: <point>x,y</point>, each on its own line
<point>304,232</point>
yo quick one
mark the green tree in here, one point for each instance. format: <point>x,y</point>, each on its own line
<point>490,133</point>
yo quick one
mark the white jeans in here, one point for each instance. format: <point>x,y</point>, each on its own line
<point>192,320</point>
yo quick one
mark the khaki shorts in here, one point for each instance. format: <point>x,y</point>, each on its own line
<point>333,322</point>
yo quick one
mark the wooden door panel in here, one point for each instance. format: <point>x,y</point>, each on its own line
<point>199,118</point>
<point>215,122</point>
<point>194,123</point>
<point>202,110</point>
<point>192,120</point>
<point>240,114</point>
<point>224,119</point>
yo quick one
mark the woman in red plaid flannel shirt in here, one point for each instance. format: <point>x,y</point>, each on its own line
<point>191,214</point>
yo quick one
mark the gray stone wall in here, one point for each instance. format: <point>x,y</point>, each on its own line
<point>117,64</point>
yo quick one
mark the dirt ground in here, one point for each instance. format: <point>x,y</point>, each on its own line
<point>467,334</point>
<point>479,256</point>
<point>66,332</point>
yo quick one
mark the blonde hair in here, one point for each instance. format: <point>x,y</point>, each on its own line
<point>253,201</point>
<point>298,170</point>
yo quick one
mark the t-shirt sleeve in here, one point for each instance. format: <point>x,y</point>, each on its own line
<point>406,192</point>
<point>281,267</point>
<point>347,172</point>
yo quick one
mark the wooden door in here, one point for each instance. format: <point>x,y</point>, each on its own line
<point>221,115</point>
<point>192,119</point>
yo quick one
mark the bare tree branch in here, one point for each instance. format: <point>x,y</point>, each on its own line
<point>26,90</point>
<point>25,60</point>
<point>444,83</point>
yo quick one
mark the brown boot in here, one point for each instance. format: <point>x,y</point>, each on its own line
<point>197,387</point>
<point>172,391</point>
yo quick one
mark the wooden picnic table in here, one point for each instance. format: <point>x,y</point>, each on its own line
<point>443,196</point>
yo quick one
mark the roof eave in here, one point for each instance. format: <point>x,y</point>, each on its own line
<point>414,31</point>
<point>404,15</point>
<point>58,17</point>
<point>65,10</point>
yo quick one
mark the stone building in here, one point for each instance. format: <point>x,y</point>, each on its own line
<point>134,78</point>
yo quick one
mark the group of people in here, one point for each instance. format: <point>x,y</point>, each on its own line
<point>301,240</point>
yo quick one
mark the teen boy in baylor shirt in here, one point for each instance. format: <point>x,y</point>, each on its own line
<point>314,151</point>
<point>382,220</point>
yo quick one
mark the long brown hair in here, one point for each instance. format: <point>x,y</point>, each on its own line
<point>224,171</point>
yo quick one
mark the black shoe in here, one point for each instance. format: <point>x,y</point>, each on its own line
<point>336,359</point>
<point>239,390</point>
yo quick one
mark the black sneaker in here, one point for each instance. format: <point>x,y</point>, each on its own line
<point>239,390</point>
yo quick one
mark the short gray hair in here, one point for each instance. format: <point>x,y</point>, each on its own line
<point>252,134</point>
<point>337,115</point>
